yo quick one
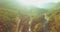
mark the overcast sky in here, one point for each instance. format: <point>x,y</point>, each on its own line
<point>36,2</point>
<point>30,2</point>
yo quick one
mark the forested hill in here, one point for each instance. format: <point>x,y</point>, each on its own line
<point>14,5</point>
<point>29,17</point>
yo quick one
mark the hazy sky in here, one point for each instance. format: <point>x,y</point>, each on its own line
<point>30,2</point>
<point>36,2</point>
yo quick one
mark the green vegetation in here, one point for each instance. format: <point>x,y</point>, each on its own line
<point>33,17</point>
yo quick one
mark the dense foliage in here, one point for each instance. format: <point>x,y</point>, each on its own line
<point>15,18</point>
